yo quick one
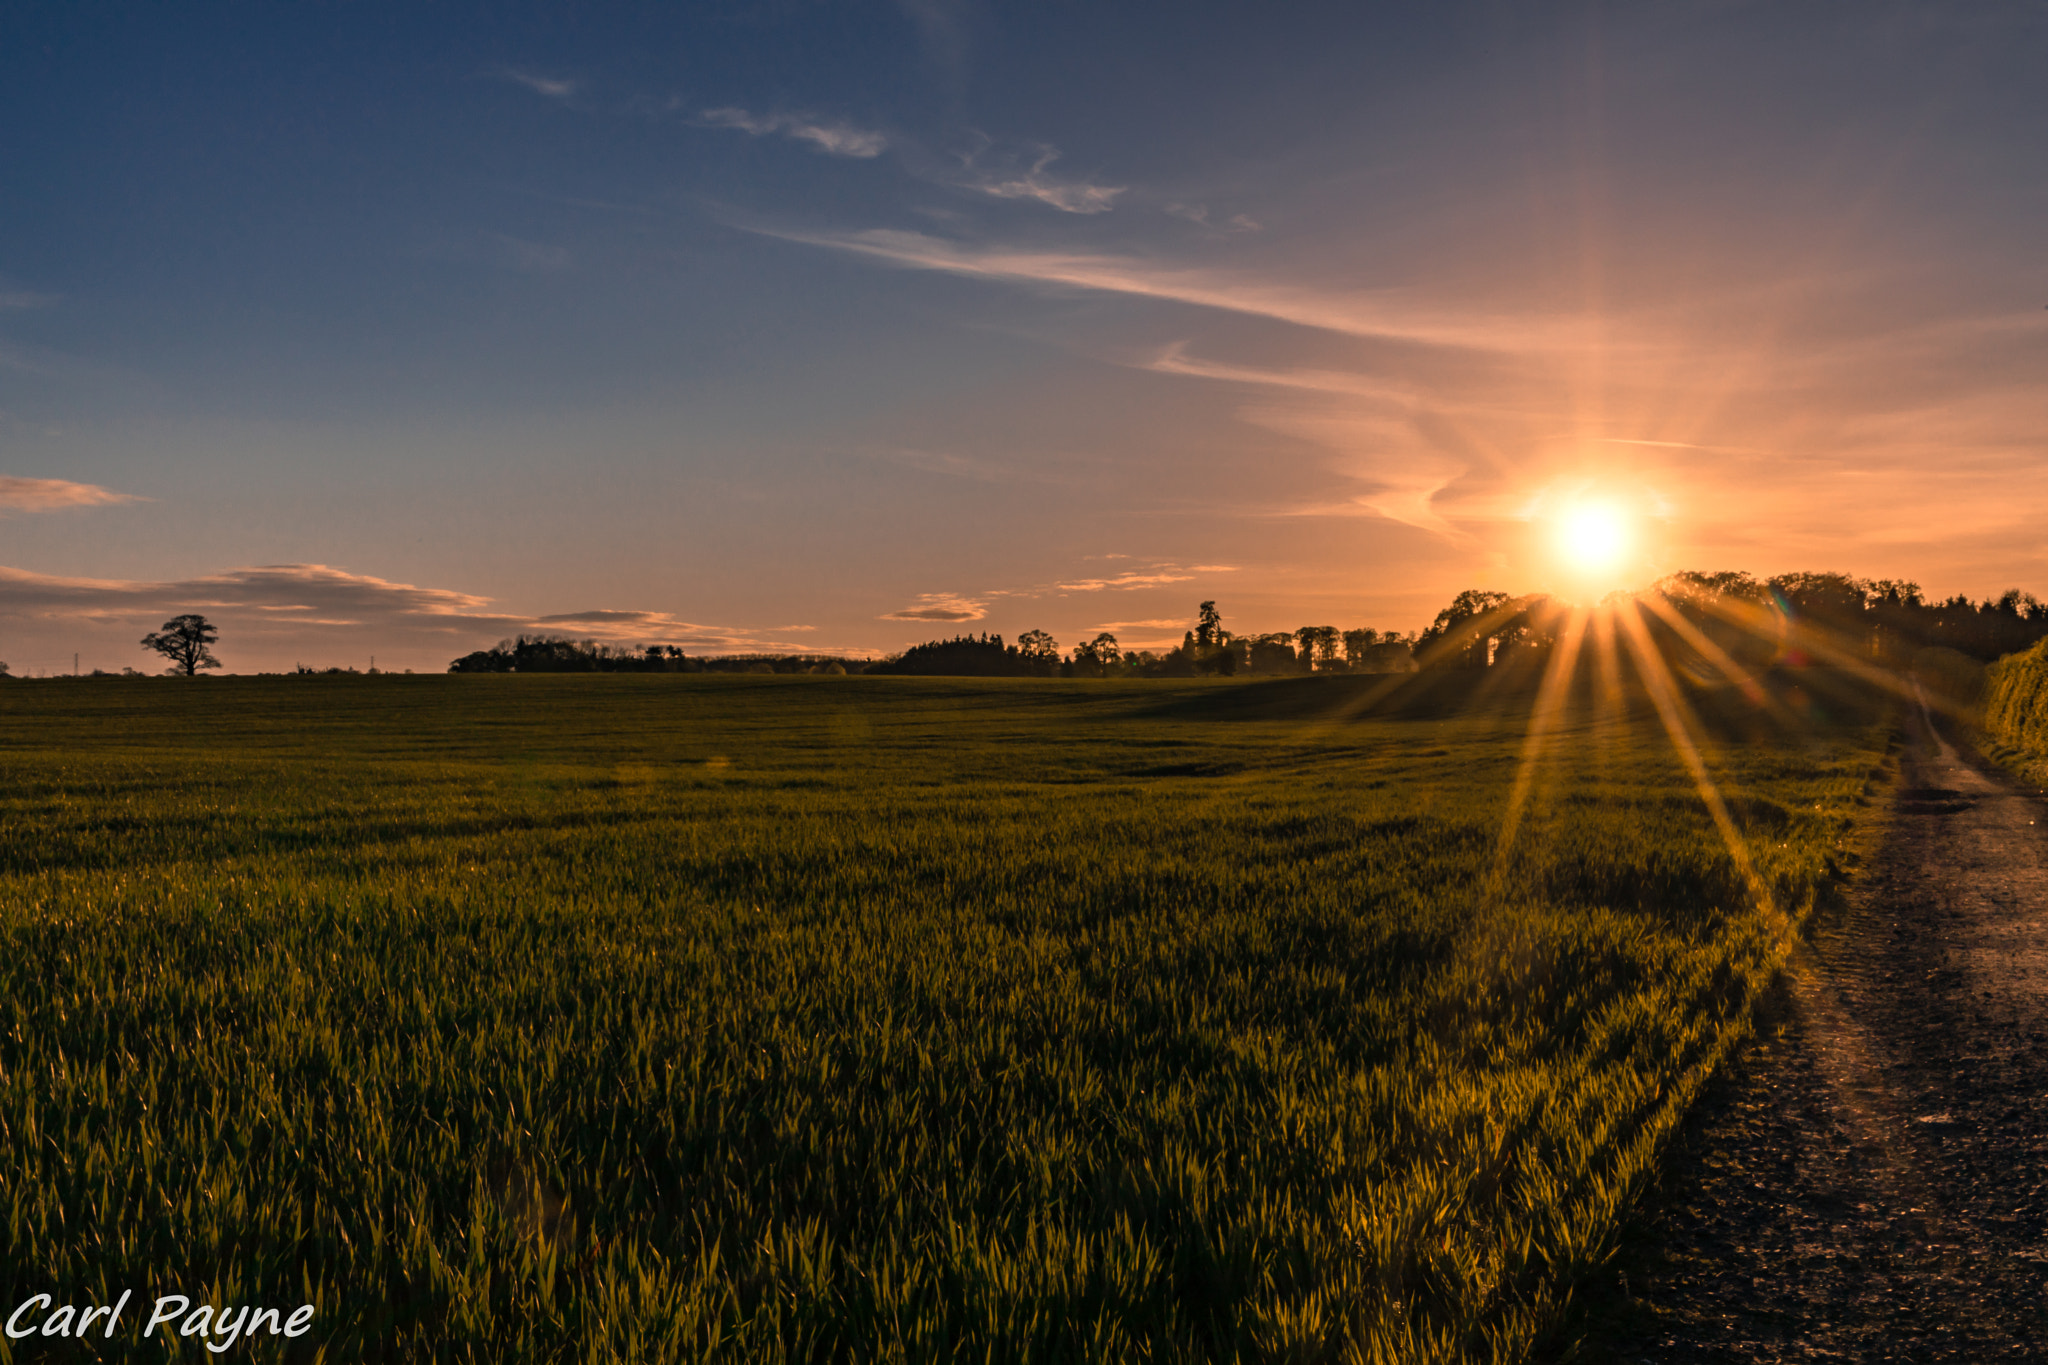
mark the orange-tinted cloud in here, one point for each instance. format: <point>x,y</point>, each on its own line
<point>938,606</point>
<point>47,495</point>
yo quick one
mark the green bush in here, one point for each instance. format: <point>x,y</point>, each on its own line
<point>2016,707</point>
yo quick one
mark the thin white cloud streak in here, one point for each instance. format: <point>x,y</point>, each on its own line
<point>27,298</point>
<point>947,463</point>
<point>1175,360</point>
<point>48,495</point>
<point>834,139</point>
<point>552,87</point>
<point>1068,196</point>
<point>1377,318</point>
<point>1198,214</point>
<point>1124,582</point>
<point>1409,503</point>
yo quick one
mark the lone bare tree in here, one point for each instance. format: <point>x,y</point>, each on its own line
<point>184,641</point>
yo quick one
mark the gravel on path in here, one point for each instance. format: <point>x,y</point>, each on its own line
<point>1870,1183</point>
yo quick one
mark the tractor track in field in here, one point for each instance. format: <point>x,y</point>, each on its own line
<point>1870,1182</point>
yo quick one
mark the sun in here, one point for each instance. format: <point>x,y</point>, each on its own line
<point>1594,541</point>
<point>1594,538</point>
<point>1583,538</point>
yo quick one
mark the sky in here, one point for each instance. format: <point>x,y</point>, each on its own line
<point>832,327</point>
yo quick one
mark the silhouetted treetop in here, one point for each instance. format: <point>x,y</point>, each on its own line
<point>184,641</point>
<point>977,656</point>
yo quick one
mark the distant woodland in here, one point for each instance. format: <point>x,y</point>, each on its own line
<point>1882,620</point>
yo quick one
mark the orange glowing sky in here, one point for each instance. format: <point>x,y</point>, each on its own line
<point>837,331</point>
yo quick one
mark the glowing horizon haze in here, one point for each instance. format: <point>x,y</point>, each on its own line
<point>832,328</point>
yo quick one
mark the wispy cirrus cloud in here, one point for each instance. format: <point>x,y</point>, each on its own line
<point>938,606</point>
<point>1157,579</point>
<point>16,299</point>
<point>659,627</point>
<point>1198,214</point>
<point>834,139</point>
<point>1387,316</point>
<point>947,462</point>
<point>48,495</point>
<point>553,87</point>
<point>1036,182</point>
<point>1174,359</point>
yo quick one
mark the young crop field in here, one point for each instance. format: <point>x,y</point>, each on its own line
<point>665,1018</point>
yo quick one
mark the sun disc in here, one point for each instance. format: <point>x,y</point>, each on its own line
<point>1594,537</point>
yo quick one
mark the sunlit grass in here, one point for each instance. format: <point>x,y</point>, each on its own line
<point>677,1019</point>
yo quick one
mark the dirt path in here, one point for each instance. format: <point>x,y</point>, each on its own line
<point>1872,1184</point>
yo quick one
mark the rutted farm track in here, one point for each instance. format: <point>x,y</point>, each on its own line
<point>1872,1183</point>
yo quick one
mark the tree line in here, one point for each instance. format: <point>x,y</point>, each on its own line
<point>1882,620</point>
<point>560,654</point>
<point>1206,649</point>
<point>1885,620</point>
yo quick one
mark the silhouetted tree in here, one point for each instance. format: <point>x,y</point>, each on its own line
<point>1393,654</point>
<point>552,654</point>
<point>1040,653</point>
<point>1462,634</point>
<point>1690,585</point>
<point>1208,626</point>
<point>1526,628</point>
<point>1319,646</point>
<point>1358,645</point>
<point>184,641</point>
<point>967,656</point>
<point>1097,657</point>
<point>1224,659</point>
<point>1272,653</point>
<point>1886,620</point>
<point>1833,600</point>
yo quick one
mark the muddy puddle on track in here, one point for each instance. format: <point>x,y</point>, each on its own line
<point>1870,1183</point>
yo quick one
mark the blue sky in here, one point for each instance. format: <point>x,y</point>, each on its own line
<point>834,326</point>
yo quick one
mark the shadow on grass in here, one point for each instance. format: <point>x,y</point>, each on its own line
<point>1772,706</point>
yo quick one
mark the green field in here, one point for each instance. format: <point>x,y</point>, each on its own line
<point>667,1018</point>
